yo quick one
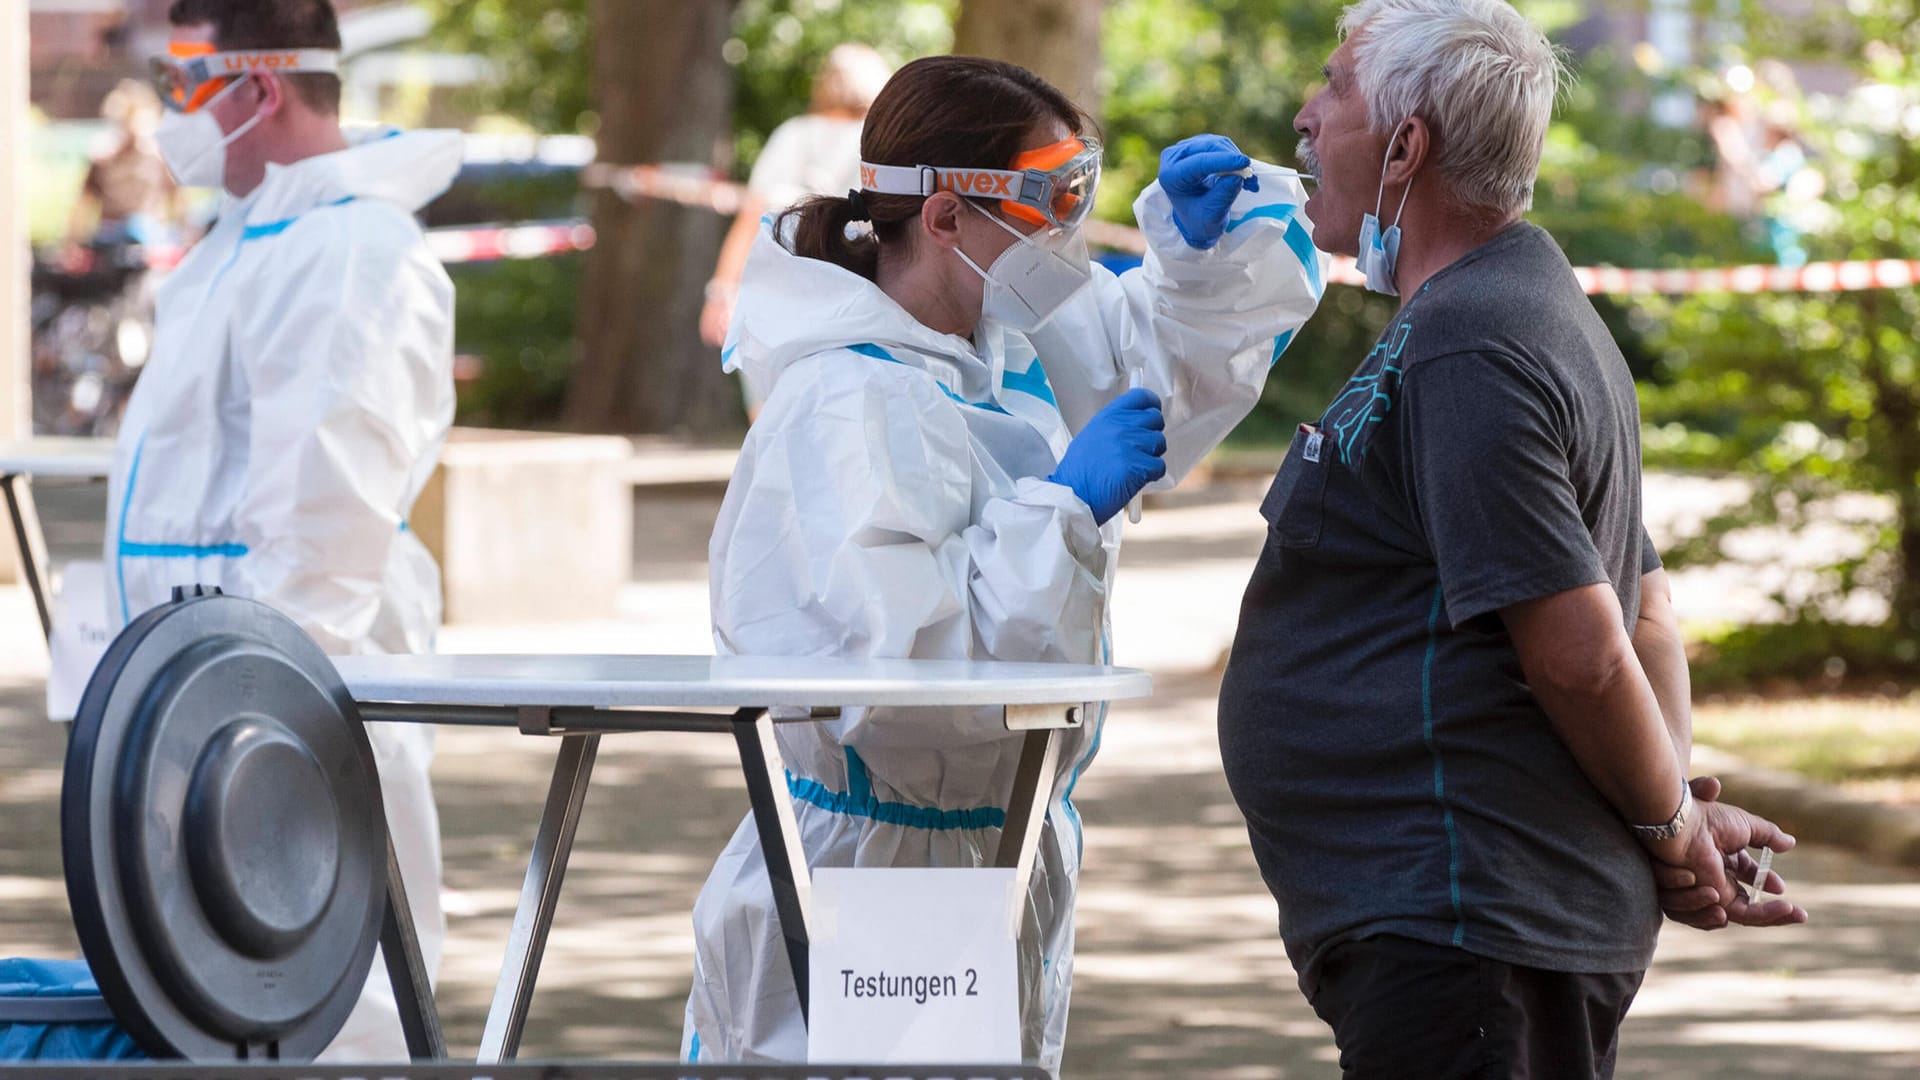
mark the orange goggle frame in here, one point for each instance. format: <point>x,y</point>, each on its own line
<point>192,73</point>
<point>1050,186</point>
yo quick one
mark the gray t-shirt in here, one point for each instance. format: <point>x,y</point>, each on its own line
<point>1397,774</point>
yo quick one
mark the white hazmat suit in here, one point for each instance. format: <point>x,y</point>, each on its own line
<point>298,394</point>
<point>891,502</point>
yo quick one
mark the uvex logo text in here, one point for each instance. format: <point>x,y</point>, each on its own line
<point>978,183</point>
<point>869,177</point>
<point>256,61</point>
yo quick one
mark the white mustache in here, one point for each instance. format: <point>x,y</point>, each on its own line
<point>1308,158</point>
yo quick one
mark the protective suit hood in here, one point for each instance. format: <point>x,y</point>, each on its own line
<point>845,310</point>
<point>407,169</point>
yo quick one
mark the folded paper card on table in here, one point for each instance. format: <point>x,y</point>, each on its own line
<point>914,966</point>
<point>81,631</point>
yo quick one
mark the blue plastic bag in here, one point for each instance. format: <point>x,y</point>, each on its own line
<point>51,1010</point>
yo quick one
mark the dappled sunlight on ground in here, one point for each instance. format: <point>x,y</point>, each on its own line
<point>1180,971</point>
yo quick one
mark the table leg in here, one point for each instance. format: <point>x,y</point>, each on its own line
<point>31,543</point>
<point>507,1017</point>
<point>1027,807</point>
<point>412,989</point>
<point>779,836</point>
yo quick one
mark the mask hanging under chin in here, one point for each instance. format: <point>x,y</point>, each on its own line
<point>1379,253</point>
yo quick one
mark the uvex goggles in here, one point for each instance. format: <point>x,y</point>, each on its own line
<point>1051,186</point>
<point>191,74</point>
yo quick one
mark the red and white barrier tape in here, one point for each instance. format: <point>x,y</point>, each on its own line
<point>696,186</point>
<point>1822,277</point>
<point>465,244</point>
<point>691,186</point>
<point>488,243</point>
<point>686,184</point>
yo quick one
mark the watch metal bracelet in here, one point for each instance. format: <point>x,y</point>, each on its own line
<point>1672,826</point>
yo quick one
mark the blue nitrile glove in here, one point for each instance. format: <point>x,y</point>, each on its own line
<point>1190,174</point>
<point>1116,454</point>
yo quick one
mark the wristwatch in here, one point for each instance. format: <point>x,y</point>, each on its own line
<point>1672,826</point>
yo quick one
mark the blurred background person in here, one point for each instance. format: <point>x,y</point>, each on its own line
<point>816,153</point>
<point>1792,189</point>
<point>1733,128</point>
<point>127,196</point>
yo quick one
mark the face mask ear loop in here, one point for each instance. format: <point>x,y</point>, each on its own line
<point>235,135</point>
<point>971,265</point>
<point>1380,197</point>
<point>1011,231</point>
<point>974,266</point>
<point>1403,203</point>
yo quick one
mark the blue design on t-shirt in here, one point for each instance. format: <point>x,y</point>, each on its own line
<point>1368,396</point>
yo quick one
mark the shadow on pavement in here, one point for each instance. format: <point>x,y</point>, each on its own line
<point>1180,970</point>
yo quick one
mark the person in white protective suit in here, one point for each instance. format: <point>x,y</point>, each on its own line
<point>299,390</point>
<point>949,435</point>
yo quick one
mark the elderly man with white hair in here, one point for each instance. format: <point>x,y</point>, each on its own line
<point>1456,715</point>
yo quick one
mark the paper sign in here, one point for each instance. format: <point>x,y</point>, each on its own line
<point>913,966</point>
<point>81,633</point>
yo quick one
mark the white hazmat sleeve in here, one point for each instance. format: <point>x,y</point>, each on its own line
<point>348,364</point>
<point>1203,327</point>
<point>861,522</point>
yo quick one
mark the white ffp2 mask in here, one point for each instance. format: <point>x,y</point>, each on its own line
<point>194,147</point>
<point>1034,278</point>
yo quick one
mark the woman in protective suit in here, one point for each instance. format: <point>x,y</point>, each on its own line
<point>948,437</point>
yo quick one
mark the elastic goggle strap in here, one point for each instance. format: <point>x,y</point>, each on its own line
<point>183,80</point>
<point>1056,192</point>
<point>925,180</point>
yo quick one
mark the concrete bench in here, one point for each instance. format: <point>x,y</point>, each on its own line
<point>529,526</point>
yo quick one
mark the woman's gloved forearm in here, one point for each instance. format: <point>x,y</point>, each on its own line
<point>1202,176</point>
<point>1119,452</point>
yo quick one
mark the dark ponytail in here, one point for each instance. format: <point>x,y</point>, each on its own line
<point>821,233</point>
<point>962,112</point>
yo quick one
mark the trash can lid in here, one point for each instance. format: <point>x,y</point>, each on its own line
<point>223,833</point>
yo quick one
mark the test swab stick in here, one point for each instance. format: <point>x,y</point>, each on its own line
<point>1763,866</point>
<point>1134,382</point>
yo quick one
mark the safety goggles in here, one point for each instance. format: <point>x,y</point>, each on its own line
<point>191,74</point>
<point>1050,186</point>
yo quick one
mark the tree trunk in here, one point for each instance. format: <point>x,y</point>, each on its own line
<point>1897,407</point>
<point>664,96</point>
<point>1057,39</point>
<point>1902,405</point>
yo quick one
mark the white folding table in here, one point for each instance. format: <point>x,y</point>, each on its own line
<point>580,698</point>
<point>20,462</point>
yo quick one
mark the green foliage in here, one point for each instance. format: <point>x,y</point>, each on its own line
<point>539,50</point>
<point>516,317</point>
<point>1813,395</point>
<point>1611,186</point>
<point>1806,653</point>
<point>778,46</point>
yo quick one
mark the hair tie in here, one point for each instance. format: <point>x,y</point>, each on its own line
<point>857,206</point>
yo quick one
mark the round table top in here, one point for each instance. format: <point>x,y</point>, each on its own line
<point>64,457</point>
<point>727,681</point>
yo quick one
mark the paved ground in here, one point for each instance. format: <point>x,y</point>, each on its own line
<point>1180,972</point>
